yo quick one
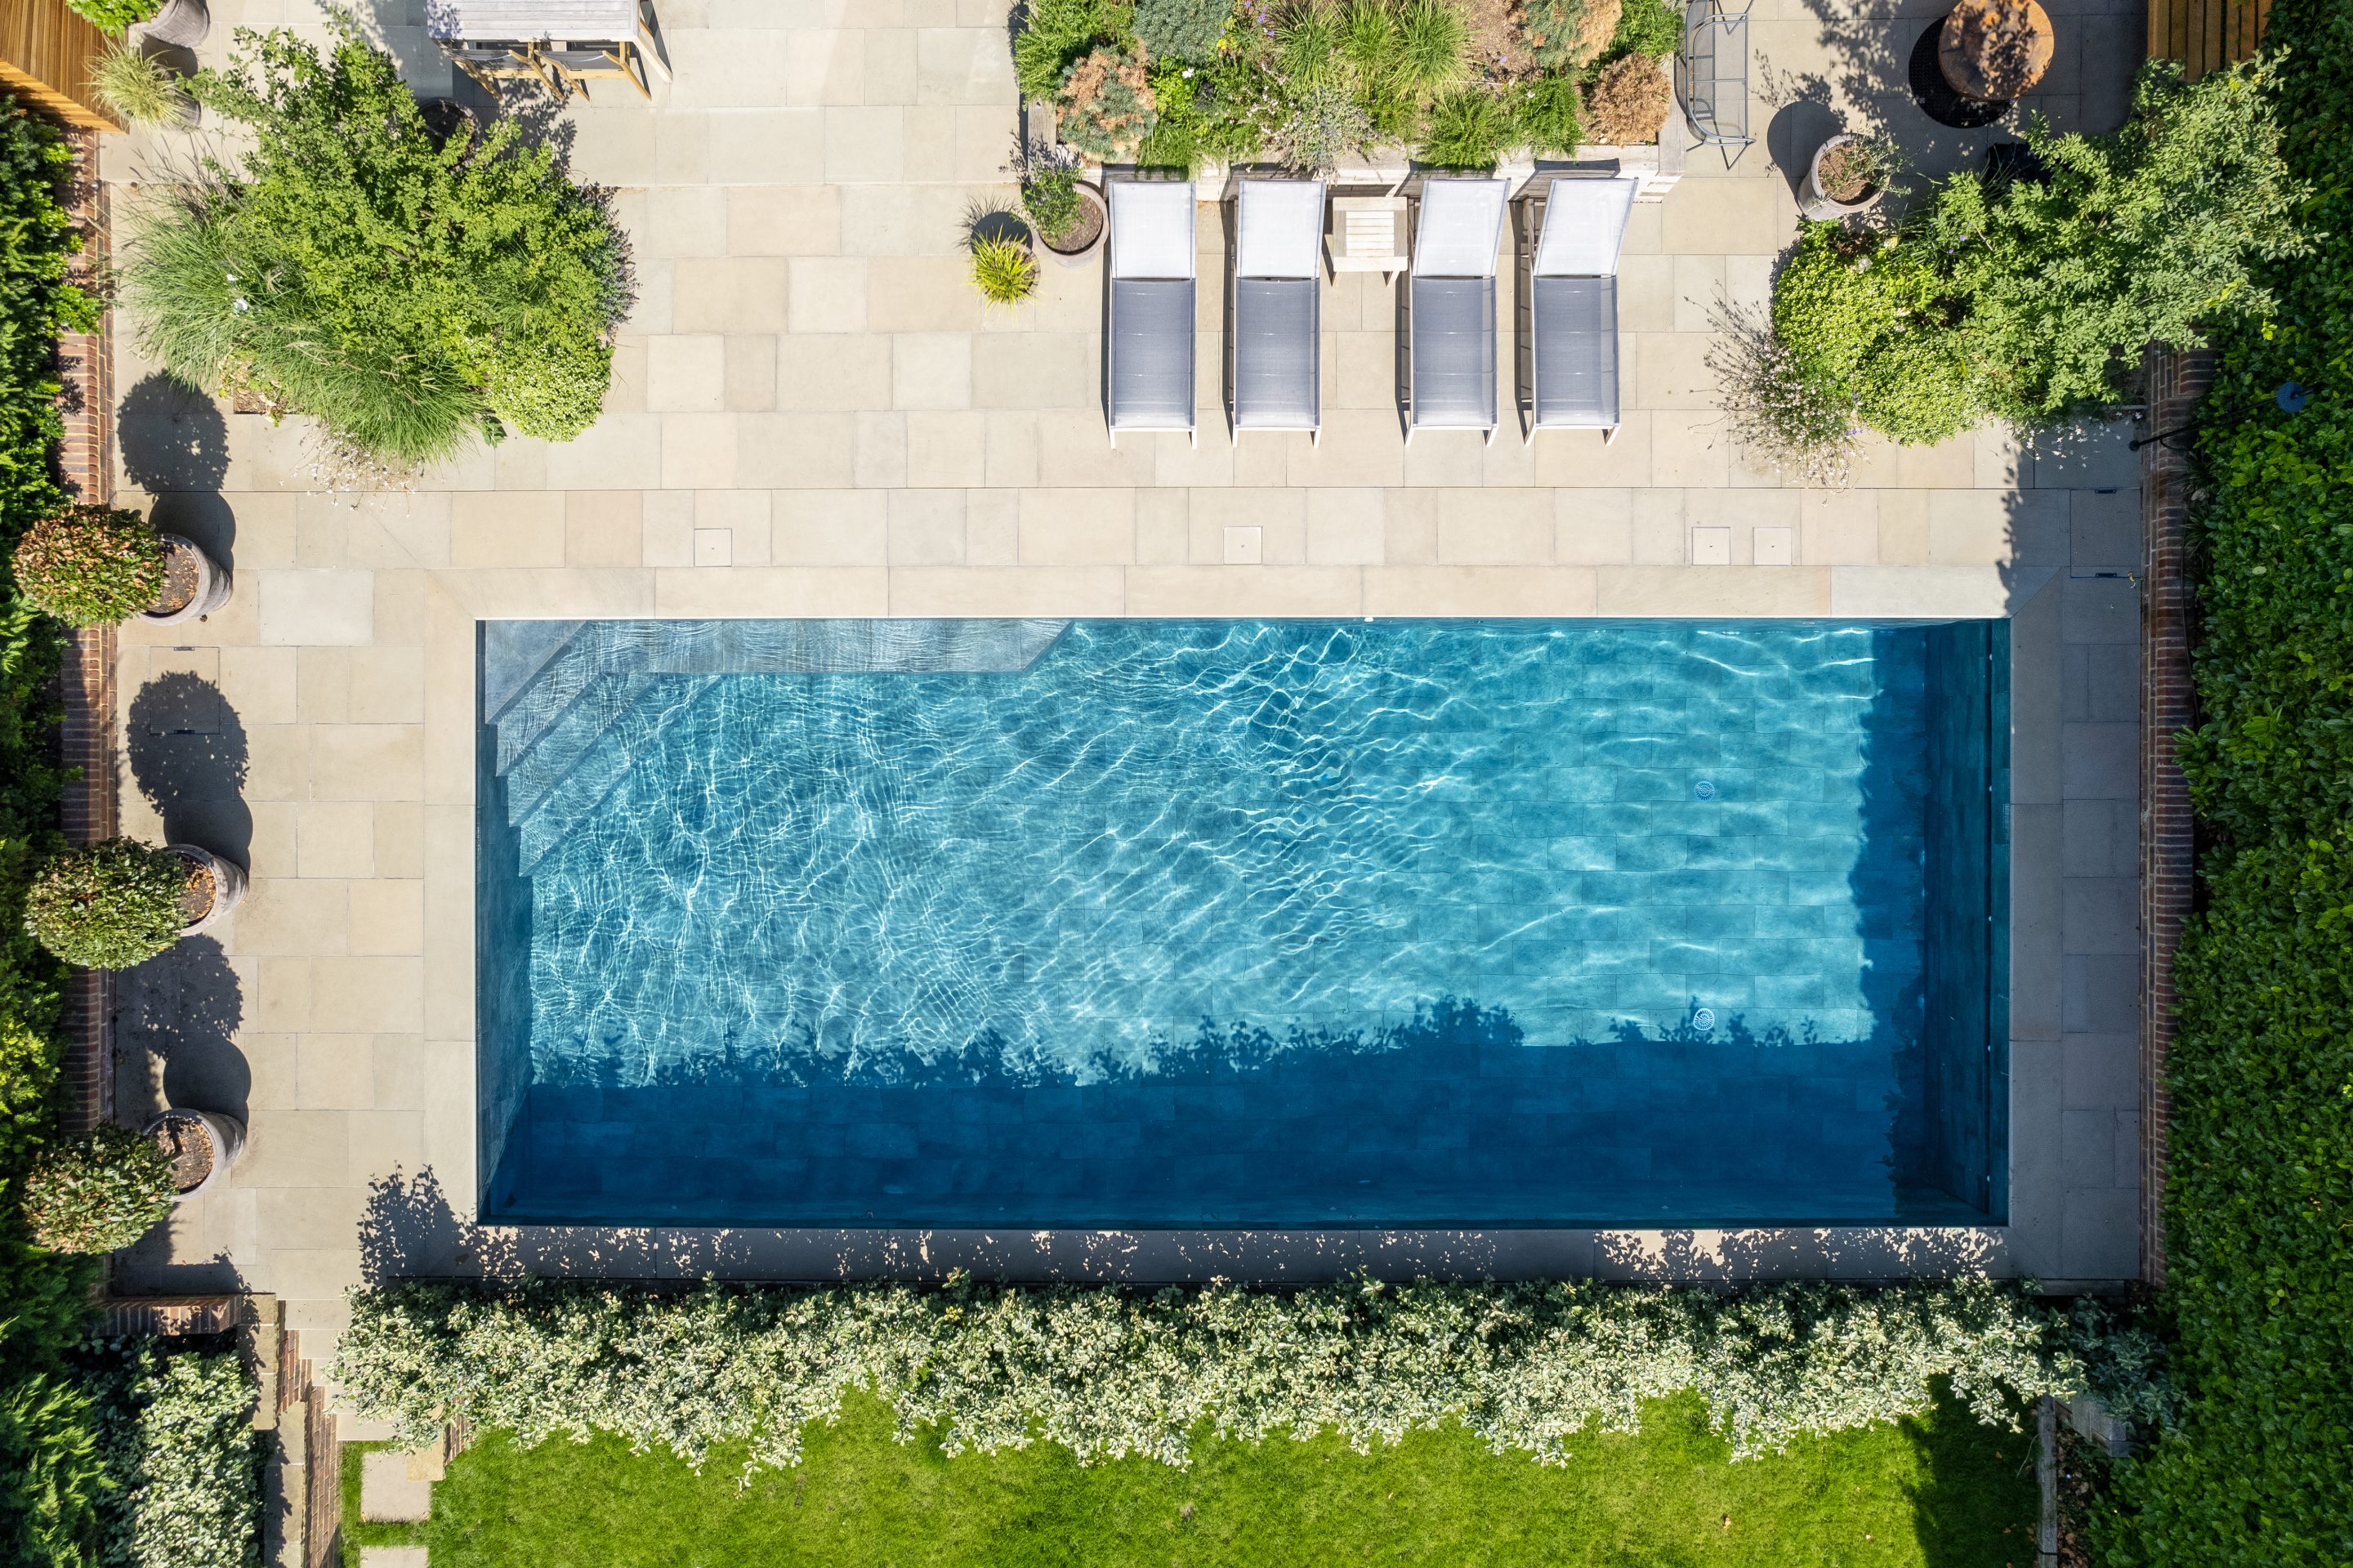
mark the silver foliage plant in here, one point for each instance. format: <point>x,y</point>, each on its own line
<point>1109,1374</point>
<point>176,1438</point>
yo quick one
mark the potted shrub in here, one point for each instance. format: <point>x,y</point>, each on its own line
<point>199,1145</point>
<point>95,566</point>
<point>1847,174</point>
<point>119,902</point>
<point>1065,212</point>
<point>134,84</point>
<point>102,1191</point>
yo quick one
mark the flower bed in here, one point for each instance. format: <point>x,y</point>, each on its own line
<point>1320,86</point>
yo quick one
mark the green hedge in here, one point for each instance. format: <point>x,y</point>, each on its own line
<point>2259,1204</point>
<point>49,1477</point>
<point>1110,1373</point>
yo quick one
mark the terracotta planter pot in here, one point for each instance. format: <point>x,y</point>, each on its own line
<point>1099,217</point>
<point>207,583</point>
<point>227,888</point>
<point>182,22</point>
<point>204,1139</point>
<point>1820,202</point>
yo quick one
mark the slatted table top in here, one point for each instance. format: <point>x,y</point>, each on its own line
<point>532,18</point>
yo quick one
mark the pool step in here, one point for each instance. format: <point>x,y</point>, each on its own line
<point>587,656</point>
<point>567,737</point>
<point>599,767</point>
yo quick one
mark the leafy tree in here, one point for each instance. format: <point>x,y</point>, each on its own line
<point>407,290</point>
<point>2135,237</point>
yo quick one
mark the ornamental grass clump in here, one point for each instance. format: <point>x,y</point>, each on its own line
<point>1466,129</point>
<point>99,1194</point>
<point>1105,106</point>
<point>134,84</point>
<point>413,294</point>
<point>90,566</point>
<point>110,904</point>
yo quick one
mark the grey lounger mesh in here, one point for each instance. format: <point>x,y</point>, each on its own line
<point>1148,381</point>
<point>1450,306</point>
<point>1278,302</point>
<point>1573,284</point>
<point>1454,353</point>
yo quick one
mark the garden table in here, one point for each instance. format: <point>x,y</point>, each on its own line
<point>571,38</point>
<point>1367,235</point>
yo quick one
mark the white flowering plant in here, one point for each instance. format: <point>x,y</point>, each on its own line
<point>1110,1373</point>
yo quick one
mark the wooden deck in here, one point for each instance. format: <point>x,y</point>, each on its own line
<point>45,55</point>
<point>2204,33</point>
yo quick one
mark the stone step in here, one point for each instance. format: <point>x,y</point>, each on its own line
<point>568,737</point>
<point>600,770</point>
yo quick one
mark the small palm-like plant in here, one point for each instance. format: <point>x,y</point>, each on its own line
<point>108,906</point>
<point>90,566</point>
<point>134,84</point>
<point>102,1191</point>
<point>1003,269</point>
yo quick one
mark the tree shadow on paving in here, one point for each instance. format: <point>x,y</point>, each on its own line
<point>175,448</point>
<point>184,1007</point>
<point>187,751</point>
<point>409,1231</point>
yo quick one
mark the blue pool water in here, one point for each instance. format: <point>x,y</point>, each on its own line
<point>1152,923</point>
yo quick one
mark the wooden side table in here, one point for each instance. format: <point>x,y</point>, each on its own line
<point>1367,234</point>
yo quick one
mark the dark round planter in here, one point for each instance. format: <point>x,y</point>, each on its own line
<point>227,883</point>
<point>221,1137</point>
<point>183,22</point>
<point>211,583</point>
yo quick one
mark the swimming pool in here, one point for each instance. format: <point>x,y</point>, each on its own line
<point>1133,923</point>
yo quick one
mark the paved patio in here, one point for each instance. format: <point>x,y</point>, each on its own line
<point>813,416</point>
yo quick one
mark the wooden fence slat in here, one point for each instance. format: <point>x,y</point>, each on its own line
<point>46,51</point>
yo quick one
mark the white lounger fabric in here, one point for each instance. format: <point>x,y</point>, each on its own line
<point>1279,228</point>
<point>1278,297</point>
<point>1459,228</point>
<point>1149,384</point>
<point>1152,228</point>
<point>1450,303</point>
<point>1574,303</point>
<point>1584,226</point>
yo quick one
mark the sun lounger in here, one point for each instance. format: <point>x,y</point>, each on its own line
<point>1277,343</point>
<point>1450,306</point>
<point>1572,324</point>
<point>1149,342</point>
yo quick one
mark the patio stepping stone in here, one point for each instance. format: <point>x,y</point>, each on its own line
<point>397,1488</point>
<point>392,1557</point>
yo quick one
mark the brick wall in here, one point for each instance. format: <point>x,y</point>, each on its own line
<point>86,739</point>
<point>2177,382</point>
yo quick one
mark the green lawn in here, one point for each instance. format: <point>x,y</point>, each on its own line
<point>1944,1492</point>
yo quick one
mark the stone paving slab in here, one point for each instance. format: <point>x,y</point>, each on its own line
<point>391,1492</point>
